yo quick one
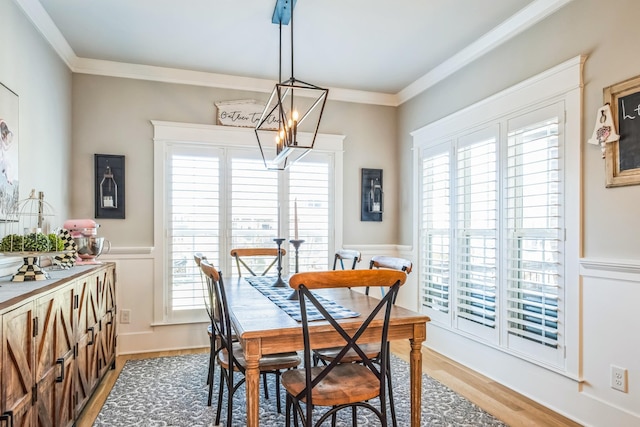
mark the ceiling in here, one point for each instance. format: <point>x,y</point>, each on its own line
<point>384,51</point>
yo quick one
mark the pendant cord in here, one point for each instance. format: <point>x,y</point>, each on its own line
<point>291,23</point>
<point>280,55</point>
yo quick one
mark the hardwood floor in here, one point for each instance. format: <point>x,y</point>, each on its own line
<point>510,407</point>
<point>503,403</point>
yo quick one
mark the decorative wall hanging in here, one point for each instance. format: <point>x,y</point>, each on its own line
<point>109,186</point>
<point>622,157</point>
<point>372,196</point>
<point>244,113</point>
<point>605,130</point>
<point>9,149</point>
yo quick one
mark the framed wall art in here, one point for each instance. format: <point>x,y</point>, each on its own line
<point>622,157</point>
<point>9,149</point>
<point>372,196</point>
<point>109,186</point>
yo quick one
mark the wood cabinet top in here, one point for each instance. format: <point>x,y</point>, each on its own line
<point>13,293</point>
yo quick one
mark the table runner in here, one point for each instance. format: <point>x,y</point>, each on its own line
<point>280,297</point>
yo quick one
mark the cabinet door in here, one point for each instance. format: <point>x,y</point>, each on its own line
<point>55,346</point>
<point>87,336</point>
<point>106,352</point>
<point>18,358</point>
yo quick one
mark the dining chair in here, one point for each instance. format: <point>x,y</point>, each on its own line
<point>372,350</point>
<point>351,255</point>
<point>347,254</point>
<point>254,258</point>
<point>393,263</point>
<point>231,355</point>
<point>339,385</point>
<point>326,354</point>
<point>198,257</point>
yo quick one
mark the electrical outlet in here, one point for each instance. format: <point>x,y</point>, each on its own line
<point>619,378</point>
<point>125,316</point>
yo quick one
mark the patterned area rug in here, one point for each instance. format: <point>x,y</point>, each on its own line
<point>171,391</point>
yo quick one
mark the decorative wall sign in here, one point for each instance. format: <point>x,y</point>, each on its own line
<point>622,157</point>
<point>372,199</point>
<point>109,186</point>
<point>245,113</point>
<point>9,143</point>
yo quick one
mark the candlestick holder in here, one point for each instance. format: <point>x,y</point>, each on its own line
<point>296,244</point>
<point>279,283</point>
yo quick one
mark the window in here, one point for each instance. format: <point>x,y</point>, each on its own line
<point>309,184</point>
<point>493,220</point>
<point>193,182</point>
<point>214,193</point>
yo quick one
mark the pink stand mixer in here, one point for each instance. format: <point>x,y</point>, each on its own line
<point>89,246</point>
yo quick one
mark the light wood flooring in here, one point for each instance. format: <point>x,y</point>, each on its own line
<point>510,407</point>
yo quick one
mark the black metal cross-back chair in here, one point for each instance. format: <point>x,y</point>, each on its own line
<point>372,350</point>
<point>265,258</point>
<point>231,355</point>
<point>343,255</point>
<point>339,385</point>
<point>393,263</point>
<point>198,257</point>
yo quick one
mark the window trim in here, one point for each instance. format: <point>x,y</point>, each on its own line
<point>166,133</point>
<point>562,83</point>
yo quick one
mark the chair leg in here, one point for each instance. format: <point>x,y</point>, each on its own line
<point>278,392</point>
<point>264,385</point>
<point>287,415</point>
<point>220,390</point>
<point>394,422</point>
<point>212,367</point>
<point>354,417</point>
<point>230,397</point>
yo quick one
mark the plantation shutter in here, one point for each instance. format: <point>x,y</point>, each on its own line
<point>193,221</point>
<point>476,231</point>
<point>309,189</point>
<point>535,232</point>
<point>436,227</point>
<point>254,208</point>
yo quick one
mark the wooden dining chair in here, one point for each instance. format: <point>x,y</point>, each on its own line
<point>351,255</point>
<point>372,351</point>
<point>231,355</point>
<point>341,385</point>
<point>326,354</point>
<point>198,257</point>
<point>383,261</point>
<point>256,258</point>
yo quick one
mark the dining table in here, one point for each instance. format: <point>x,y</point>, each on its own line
<point>264,328</point>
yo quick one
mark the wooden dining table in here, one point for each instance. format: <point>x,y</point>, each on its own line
<point>263,328</point>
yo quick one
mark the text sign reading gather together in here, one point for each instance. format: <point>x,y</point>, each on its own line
<point>245,113</point>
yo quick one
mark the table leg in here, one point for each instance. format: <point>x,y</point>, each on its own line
<point>252,385</point>
<point>415,362</point>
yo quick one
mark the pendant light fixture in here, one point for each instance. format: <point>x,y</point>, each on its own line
<point>289,124</point>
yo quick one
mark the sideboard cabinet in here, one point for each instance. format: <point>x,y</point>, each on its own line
<point>58,341</point>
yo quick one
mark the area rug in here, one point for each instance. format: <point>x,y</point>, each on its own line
<point>171,392</point>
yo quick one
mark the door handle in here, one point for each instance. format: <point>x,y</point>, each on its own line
<point>60,362</point>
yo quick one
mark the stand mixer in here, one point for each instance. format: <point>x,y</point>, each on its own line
<point>89,246</point>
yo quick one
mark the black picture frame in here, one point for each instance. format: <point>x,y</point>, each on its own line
<point>369,178</point>
<point>116,165</point>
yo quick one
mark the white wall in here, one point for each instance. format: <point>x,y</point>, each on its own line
<point>31,68</point>
<point>607,32</point>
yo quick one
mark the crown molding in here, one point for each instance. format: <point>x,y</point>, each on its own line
<point>527,17</point>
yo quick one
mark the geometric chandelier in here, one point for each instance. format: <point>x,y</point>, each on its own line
<point>289,124</point>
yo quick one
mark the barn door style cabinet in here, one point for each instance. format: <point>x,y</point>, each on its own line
<point>58,340</point>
